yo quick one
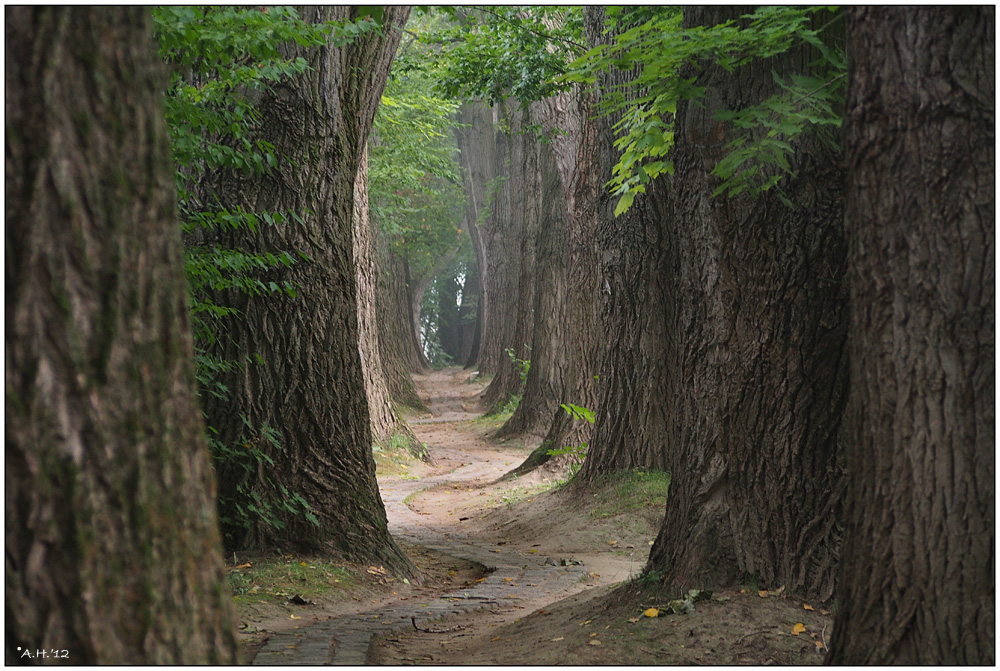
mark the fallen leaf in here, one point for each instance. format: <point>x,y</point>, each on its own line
<point>302,563</point>
<point>798,628</point>
<point>762,594</point>
<point>651,612</point>
<point>247,565</point>
<point>496,638</point>
<point>295,617</point>
<point>595,642</point>
<point>819,645</point>
<point>633,619</point>
<point>481,579</point>
<point>824,612</point>
<point>806,606</point>
<point>557,638</point>
<point>614,542</point>
<point>593,634</point>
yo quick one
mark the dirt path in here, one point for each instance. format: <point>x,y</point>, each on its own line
<point>447,510</point>
<point>547,559</point>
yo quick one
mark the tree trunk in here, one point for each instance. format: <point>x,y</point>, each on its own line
<point>555,163</point>
<point>918,579</point>
<point>629,422</point>
<point>449,321</point>
<point>385,423</point>
<point>501,240</point>
<point>309,387</point>
<point>575,150</point>
<point>744,384</point>
<point>112,544</point>
<point>396,337</point>
<point>511,250</point>
<point>476,139</point>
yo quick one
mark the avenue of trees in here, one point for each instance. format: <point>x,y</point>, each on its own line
<point>753,246</point>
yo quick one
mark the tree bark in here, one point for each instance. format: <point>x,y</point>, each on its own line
<point>501,240</point>
<point>575,151</point>
<point>476,141</point>
<point>739,375</point>
<point>112,543</point>
<point>555,163</point>
<point>511,250</point>
<point>309,387</point>
<point>396,336</point>
<point>918,574</point>
<point>385,423</point>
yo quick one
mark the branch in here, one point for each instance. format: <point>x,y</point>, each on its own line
<point>435,631</point>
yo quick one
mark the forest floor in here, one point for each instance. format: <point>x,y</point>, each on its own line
<point>553,568</point>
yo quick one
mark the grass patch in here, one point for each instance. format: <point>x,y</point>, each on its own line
<point>492,421</point>
<point>630,491</point>
<point>517,494</point>
<point>276,580</point>
<point>397,455</point>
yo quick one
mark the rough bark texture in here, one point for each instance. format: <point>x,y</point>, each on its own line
<point>310,386</point>
<point>744,381</point>
<point>554,167</point>
<point>385,423</point>
<point>112,544</point>
<point>918,567</point>
<point>629,423</point>
<point>575,152</point>
<point>397,338</point>
<point>511,251</point>
<point>501,241</point>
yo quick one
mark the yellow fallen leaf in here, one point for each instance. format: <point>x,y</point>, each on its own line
<point>481,579</point>
<point>302,563</point>
<point>496,638</point>
<point>806,606</point>
<point>651,612</point>
<point>762,594</point>
<point>824,612</point>
<point>595,642</point>
<point>615,542</point>
<point>247,565</point>
<point>819,645</point>
<point>593,634</point>
<point>633,619</point>
<point>295,617</point>
<point>557,638</point>
<point>508,579</point>
<point>798,628</point>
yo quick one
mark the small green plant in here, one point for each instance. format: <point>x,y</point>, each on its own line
<point>578,452</point>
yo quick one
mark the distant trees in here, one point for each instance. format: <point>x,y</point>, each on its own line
<point>112,542</point>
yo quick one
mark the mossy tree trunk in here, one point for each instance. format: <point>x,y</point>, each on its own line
<point>112,544</point>
<point>918,570</point>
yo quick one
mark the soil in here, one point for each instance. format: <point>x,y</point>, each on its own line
<point>462,505</point>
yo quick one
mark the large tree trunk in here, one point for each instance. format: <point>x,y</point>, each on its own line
<point>309,387</point>
<point>555,164</point>
<point>745,383</point>
<point>501,241</point>
<point>629,423</point>
<point>112,544</point>
<point>385,423</point>
<point>575,152</point>
<point>917,576</point>
<point>511,251</point>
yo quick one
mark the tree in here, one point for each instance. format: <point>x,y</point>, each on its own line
<point>113,549</point>
<point>917,573</point>
<point>727,318</point>
<point>303,402</point>
<point>384,420</point>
